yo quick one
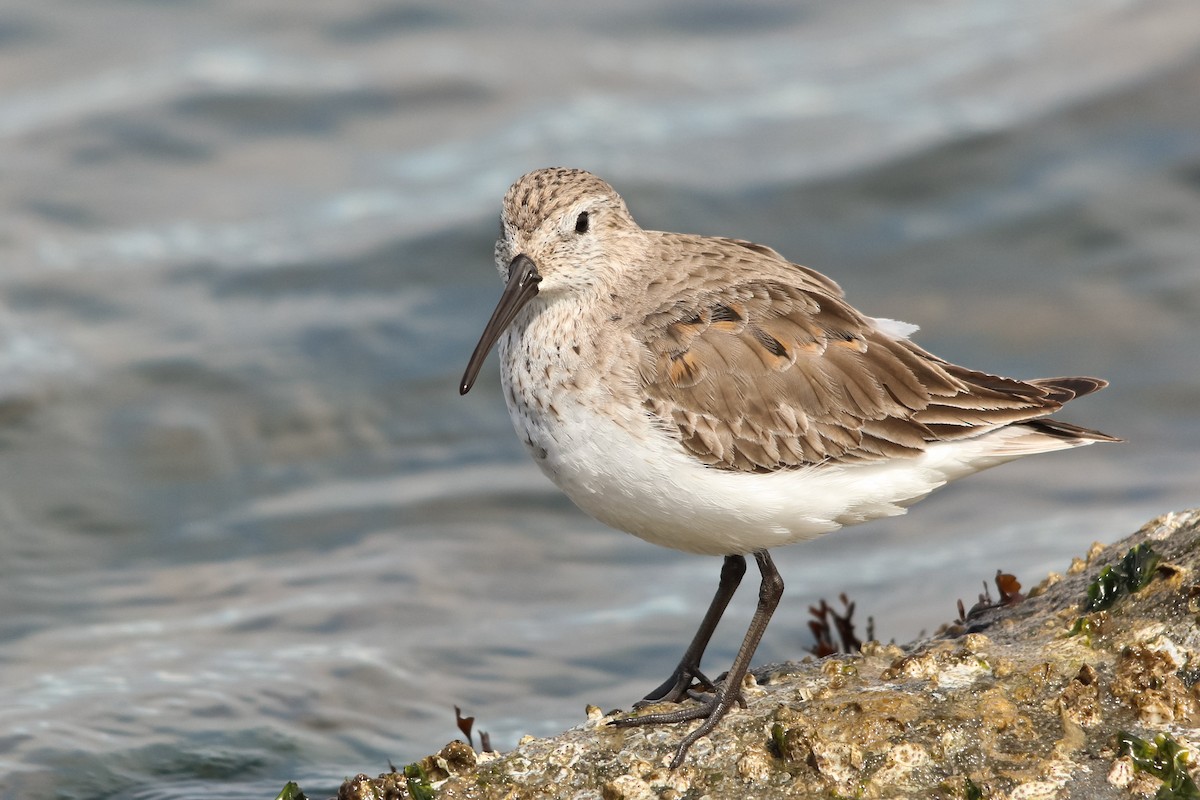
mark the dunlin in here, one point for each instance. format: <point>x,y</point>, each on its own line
<point>708,395</point>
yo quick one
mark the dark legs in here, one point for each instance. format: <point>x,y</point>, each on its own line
<point>676,687</point>
<point>730,691</point>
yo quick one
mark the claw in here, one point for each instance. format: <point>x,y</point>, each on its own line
<point>679,687</point>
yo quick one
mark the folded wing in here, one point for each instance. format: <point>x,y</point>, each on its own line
<point>765,375</point>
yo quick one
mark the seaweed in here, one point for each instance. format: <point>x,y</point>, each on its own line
<point>1165,759</point>
<point>823,631</point>
<point>1135,571</point>
<point>291,791</point>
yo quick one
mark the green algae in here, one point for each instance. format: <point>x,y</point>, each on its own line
<point>1165,759</point>
<point>1135,571</point>
<point>418,783</point>
<point>291,791</point>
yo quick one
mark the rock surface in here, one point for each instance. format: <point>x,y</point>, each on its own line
<point>1043,698</point>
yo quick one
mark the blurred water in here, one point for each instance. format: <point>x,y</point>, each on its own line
<point>249,532</point>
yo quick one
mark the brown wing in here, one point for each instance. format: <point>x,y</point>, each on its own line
<point>764,375</point>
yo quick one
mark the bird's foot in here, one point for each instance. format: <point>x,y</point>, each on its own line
<point>712,711</point>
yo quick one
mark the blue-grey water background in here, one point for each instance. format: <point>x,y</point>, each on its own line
<point>249,532</point>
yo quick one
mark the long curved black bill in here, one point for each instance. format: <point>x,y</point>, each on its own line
<point>522,286</point>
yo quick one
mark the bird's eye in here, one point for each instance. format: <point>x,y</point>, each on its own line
<point>581,222</point>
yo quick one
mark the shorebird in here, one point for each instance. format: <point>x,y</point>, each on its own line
<point>708,395</point>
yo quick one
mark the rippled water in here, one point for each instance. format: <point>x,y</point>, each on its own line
<point>248,530</point>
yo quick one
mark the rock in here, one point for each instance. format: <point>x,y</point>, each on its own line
<point>1037,699</point>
